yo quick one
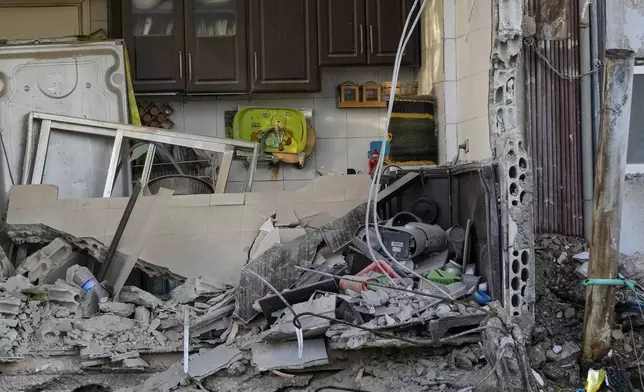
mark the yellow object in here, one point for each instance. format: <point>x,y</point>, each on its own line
<point>135,118</point>
<point>283,130</point>
<point>595,380</point>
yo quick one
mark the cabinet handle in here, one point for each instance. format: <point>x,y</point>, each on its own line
<point>255,64</point>
<point>190,66</point>
<point>371,38</point>
<point>180,65</point>
<point>361,39</point>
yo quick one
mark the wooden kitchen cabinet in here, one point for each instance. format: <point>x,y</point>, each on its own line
<point>341,32</point>
<point>385,23</point>
<point>283,46</point>
<point>364,32</point>
<point>155,43</point>
<point>216,50</point>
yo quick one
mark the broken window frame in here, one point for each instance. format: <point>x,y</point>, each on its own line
<point>119,132</point>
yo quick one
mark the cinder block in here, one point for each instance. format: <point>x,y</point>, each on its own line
<point>49,263</point>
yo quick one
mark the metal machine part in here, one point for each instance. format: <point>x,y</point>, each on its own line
<point>79,79</point>
<point>122,131</point>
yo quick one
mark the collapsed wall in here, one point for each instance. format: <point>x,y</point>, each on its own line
<point>510,151</point>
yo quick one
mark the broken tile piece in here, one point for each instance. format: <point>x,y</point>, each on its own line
<point>194,288</point>
<point>283,356</point>
<point>49,263</point>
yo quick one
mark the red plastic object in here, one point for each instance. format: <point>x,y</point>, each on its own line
<point>384,268</point>
<point>373,161</point>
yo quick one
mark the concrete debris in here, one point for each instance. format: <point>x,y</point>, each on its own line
<point>211,361</point>
<point>284,356</point>
<point>117,308</point>
<point>135,364</point>
<point>49,263</point>
<point>9,306</point>
<point>16,284</point>
<point>195,288</point>
<point>135,295</point>
<point>6,267</point>
<point>65,294</point>
<point>105,325</point>
<point>125,355</point>
<point>617,334</point>
<point>142,314</point>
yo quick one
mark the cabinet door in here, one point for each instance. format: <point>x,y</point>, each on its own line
<point>216,51</point>
<point>341,32</point>
<point>283,46</point>
<point>155,40</point>
<point>385,23</point>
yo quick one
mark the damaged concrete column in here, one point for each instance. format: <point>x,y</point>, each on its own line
<point>515,166</point>
<point>610,171</point>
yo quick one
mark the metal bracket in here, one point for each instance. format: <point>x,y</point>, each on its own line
<point>123,131</point>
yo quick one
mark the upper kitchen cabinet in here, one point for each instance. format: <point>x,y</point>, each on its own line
<point>216,46</point>
<point>153,31</point>
<point>283,46</point>
<point>341,32</point>
<point>385,23</point>
<point>364,32</point>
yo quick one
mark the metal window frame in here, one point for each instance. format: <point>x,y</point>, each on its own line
<point>636,168</point>
<point>119,132</point>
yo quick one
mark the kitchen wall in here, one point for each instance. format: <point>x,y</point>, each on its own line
<point>473,48</point>
<point>456,65</point>
<point>343,135</point>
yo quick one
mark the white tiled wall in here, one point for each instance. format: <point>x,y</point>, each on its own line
<point>343,135</point>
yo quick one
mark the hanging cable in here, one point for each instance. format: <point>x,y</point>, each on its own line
<point>372,200</point>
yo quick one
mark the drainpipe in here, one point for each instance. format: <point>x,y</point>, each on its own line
<point>586,121</point>
<point>595,77</point>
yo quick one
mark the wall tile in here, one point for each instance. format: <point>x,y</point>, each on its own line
<point>363,123</point>
<point>481,16</point>
<point>290,186</point>
<point>200,117</point>
<point>477,131</point>
<point>188,220</point>
<point>263,172</point>
<point>473,96</point>
<point>331,79</point>
<point>330,122</point>
<point>331,156</point>
<point>473,53</point>
<point>225,105</point>
<point>451,102</point>
<point>268,186</point>
<point>362,75</point>
<point>449,17</point>
<point>450,59</point>
<point>357,158</point>
<point>291,172</point>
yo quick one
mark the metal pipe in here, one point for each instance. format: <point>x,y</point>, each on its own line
<point>595,77</point>
<point>607,206</point>
<point>586,121</point>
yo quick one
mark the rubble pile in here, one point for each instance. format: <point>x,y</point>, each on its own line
<point>315,297</point>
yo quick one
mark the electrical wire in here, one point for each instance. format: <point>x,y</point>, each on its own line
<point>375,183</point>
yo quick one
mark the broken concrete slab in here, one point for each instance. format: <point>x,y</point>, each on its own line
<point>125,355</point>
<point>194,288</point>
<point>283,329</point>
<point>134,295</point>
<point>135,364</point>
<point>284,356</point>
<point>117,308</point>
<point>191,228</point>
<point>49,263</point>
<point>211,361</point>
<point>146,213</point>
<point>105,325</point>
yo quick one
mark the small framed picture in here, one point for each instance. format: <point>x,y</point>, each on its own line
<point>371,92</point>
<point>349,93</point>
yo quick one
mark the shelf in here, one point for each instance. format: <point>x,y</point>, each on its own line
<point>361,105</point>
